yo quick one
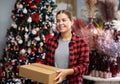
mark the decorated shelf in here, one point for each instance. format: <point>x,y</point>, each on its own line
<point>113,79</point>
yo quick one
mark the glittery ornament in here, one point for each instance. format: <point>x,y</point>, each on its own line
<point>25,11</point>
<point>37,29</point>
<point>14,25</point>
<point>35,17</point>
<point>26,29</point>
<point>29,50</point>
<point>29,20</point>
<point>22,51</point>
<point>20,41</point>
<point>13,16</point>
<point>41,43</point>
<point>13,62</point>
<point>37,1</point>
<point>37,38</point>
<point>45,27</point>
<point>19,6</point>
<point>29,43</point>
<point>22,57</point>
<point>34,42</point>
<point>26,37</point>
<point>34,32</point>
<point>34,49</point>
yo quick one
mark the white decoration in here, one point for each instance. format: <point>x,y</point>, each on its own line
<point>34,32</point>
<point>14,25</point>
<point>19,6</point>
<point>29,20</point>
<point>23,51</point>
<point>25,11</point>
<point>43,36</point>
<point>41,43</point>
<point>37,38</point>
<point>52,34</point>
<point>26,29</point>
<point>29,43</point>
<point>53,26</point>
<point>29,50</point>
<point>20,41</point>
<point>26,36</point>
<point>37,29</point>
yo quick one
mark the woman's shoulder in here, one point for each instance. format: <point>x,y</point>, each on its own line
<point>54,38</point>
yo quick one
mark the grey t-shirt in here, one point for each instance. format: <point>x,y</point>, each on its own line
<point>62,54</point>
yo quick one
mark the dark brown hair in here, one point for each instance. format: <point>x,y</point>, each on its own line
<point>65,12</point>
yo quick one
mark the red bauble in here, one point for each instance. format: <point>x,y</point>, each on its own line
<point>38,60</point>
<point>13,16</point>
<point>33,6</point>
<point>32,53</point>
<point>17,69</point>
<point>6,64</point>
<point>34,49</point>
<point>45,27</point>
<point>37,1</point>
<point>22,57</point>
<point>28,1</point>
<point>35,17</point>
<point>13,62</point>
<point>21,15</point>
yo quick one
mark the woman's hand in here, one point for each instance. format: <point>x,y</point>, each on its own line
<point>63,74</point>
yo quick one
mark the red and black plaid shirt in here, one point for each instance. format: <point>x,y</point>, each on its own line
<point>79,57</point>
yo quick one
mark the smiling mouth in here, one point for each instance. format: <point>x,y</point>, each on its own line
<point>61,26</point>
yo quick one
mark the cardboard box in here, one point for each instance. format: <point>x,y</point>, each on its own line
<point>39,72</point>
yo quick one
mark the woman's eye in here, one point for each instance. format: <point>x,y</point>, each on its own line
<point>58,21</point>
<point>64,20</point>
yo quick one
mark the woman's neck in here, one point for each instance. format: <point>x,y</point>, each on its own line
<point>66,36</point>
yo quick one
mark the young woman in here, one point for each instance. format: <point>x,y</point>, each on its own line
<point>67,51</point>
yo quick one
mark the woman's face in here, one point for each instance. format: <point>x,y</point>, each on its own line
<point>63,23</point>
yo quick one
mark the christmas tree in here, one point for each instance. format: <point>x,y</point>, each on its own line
<point>33,24</point>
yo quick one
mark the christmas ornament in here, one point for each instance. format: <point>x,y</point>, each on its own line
<point>29,50</point>
<point>25,11</point>
<point>19,6</point>
<point>22,51</point>
<point>26,37</point>
<point>28,1</point>
<point>33,6</point>
<point>34,32</point>
<point>13,16</point>
<point>14,25</point>
<point>35,17</point>
<point>37,1</point>
<point>29,20</point>
<point>37,38</point>
<point>20,41</point>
